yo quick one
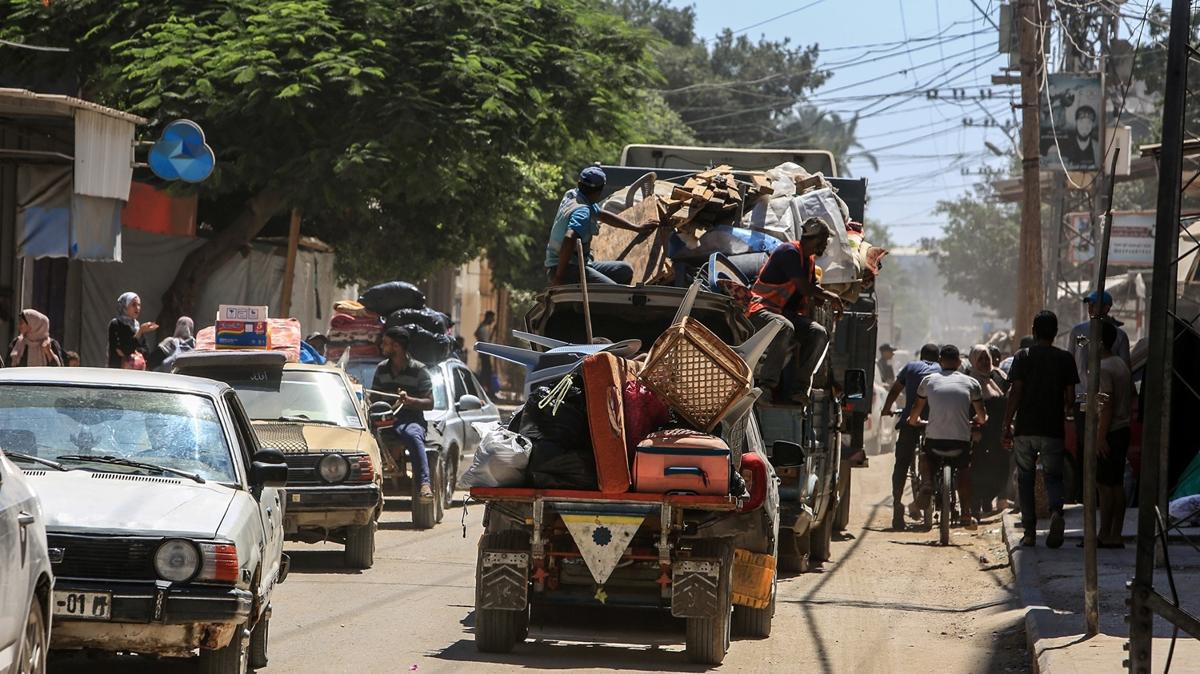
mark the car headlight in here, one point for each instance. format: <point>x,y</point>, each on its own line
<point>177,560</point>
<point>333,468</point>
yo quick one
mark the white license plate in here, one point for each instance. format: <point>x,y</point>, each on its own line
<point>86,605</point>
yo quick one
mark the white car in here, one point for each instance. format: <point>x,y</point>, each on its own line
<point>163,516</point>
<point>25,577</point>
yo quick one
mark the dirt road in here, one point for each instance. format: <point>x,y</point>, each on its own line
<point>887,602</point>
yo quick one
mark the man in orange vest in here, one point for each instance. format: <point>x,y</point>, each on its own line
<point>782,293</point>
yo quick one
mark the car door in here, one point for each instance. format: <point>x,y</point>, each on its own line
<point>270,499</point>
<point>16,507</point>
<point>467,384</point>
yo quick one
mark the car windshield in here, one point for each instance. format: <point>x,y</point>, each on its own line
<point>297,395</point>
<point>181,431</point>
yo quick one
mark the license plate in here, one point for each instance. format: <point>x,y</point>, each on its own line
<point>85,605</point>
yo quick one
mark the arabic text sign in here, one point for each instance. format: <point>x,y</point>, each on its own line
<point>1132,241</point>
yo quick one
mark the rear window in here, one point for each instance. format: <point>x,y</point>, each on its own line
<point>306,396</point>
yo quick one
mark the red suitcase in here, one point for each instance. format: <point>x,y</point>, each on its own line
<point>682,460</point>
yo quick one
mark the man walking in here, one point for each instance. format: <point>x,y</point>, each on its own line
<point>578,218</point>
<point>1099,306</point>
<point>887,373</point>
<point>1112,438</point>
<point>907,436</point>
<point>486,332</point>
<point>407,379</point>
<point>951,397</point>
<point>1043,379</point>
<point>785,286</point>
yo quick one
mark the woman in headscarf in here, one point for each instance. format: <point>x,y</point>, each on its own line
<point>162,358</point>
<point>989,463</point>
<point>33,346</point>
<point>125,349</point>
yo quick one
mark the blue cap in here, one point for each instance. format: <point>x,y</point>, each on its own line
<point>593,176</point>
<point>1106,299</point>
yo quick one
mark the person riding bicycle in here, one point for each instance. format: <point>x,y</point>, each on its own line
<point>907,437</point>
<point>950,396</point>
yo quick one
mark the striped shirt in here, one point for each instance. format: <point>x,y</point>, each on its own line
<point>413,379</point>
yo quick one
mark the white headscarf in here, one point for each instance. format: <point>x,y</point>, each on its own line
<point>123,316</point>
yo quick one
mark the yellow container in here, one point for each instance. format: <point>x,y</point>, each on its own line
<point>753,577</point>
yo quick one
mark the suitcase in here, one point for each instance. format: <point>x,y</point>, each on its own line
<point>682,460</point>
<point>604,379</point>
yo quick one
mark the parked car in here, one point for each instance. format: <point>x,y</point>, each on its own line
<point>26,581</point>
<point>452,381</point>
<point>314,416</point>
<point>164,516</point>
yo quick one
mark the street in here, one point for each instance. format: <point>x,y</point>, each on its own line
<point>886,600</point>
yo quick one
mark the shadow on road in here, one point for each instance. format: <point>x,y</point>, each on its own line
<point>319,561</point>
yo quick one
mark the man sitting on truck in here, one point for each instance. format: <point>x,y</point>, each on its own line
<point>406,378</point>
<point>578,219</point>
<point>781,294</point>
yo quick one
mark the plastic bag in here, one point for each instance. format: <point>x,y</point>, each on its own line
<point>500,460</point>
<point>430,319</point>
<point>385,298</point>
<point>428,347</point>
<point>645,412</point>
<point>555,419</point>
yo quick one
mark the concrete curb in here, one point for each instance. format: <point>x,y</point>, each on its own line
<point>1029,591</point>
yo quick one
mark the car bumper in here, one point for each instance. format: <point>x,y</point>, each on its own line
<point>330,507</point>
<point>154,618</point>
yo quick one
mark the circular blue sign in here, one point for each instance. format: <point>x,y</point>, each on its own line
<point>181,153</point>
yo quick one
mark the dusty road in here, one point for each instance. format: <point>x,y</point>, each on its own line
<point>888,602</point>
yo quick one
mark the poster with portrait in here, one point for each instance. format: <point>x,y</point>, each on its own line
<point>1070,122</point>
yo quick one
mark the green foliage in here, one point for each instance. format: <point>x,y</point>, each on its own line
<point>411,135</point>
<point>977,251</point>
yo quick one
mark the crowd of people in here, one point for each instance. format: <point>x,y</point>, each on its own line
<point>998,418</point>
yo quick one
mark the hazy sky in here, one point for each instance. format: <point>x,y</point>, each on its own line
<point>921,143</point>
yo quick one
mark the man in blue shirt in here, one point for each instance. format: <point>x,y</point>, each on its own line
<point>578,218</point>
<point>907,437</point>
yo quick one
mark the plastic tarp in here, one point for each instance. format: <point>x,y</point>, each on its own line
<point>150,264</point>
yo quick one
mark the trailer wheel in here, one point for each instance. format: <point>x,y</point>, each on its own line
<point>708,638</point>
<point>425,513</point>
<point>754,622</point>
<point>498,630</point>
<point>820,537</point>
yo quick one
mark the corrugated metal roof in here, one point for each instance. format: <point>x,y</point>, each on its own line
<point>23,101</point>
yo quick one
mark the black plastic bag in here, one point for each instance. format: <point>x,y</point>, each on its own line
<point>385,298</point>
<point>427,347</point>
<point>430,319</point>
<point>556,421</point>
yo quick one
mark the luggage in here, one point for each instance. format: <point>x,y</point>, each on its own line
<point>555,420</point>
<point>501,459</point>
<point>604,378</point>
<point>385,298</point>
<point>682,460</point>
<point>429,319</point>
<point>644,412</point>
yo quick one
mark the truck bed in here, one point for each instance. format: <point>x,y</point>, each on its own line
<point>528,494</point>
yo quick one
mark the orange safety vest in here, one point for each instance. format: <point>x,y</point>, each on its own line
<point>774,297</point>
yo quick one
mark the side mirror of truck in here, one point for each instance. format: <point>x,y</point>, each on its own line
<point>856,384</point>
<point>785,454</point>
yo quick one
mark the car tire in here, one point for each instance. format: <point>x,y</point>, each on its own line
<point>258,641</point>
<point>707,639</point>
<point>498,630</point>
<point>450,479</point>
<point>31,658</point>
<point>360,546</point>
<point>754,622</point>
<point>425,513</point>
<point>842,520</point>
<point>234,658</point>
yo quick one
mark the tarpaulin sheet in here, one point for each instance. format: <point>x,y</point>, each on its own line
<point>256,278</point>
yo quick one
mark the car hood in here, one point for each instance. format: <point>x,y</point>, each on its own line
<point>81,500</point>
<point>299,438</point>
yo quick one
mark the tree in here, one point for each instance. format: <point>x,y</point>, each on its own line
<point>976,253</point>
<point>409,134</point>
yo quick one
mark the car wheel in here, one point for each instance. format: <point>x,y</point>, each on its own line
<point>360,546</point>
<point>450,478</point>
<point>31,659</point>
<point>258,640</point>
<point>232,659</point>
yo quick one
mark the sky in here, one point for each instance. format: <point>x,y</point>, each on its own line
<point>922,144</point>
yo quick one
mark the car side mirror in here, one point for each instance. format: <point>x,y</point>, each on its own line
<point>856,384</point>
<point>785,454</point>
<point>268,469</point>
<point>469,403</point>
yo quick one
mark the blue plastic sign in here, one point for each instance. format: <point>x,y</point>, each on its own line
<point>181,153</point>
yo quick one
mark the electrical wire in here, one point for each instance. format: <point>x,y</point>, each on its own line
<point>32,47</point>
<point>778,16</point>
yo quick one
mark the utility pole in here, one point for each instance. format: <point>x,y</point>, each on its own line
<point>1029,265</point>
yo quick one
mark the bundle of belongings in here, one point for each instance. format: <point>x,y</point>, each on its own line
<point>742,218</point>
<point>357,326</point>
<point>614,424</point>
<point>283,335</point>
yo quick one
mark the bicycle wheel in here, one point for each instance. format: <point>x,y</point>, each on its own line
<point>946,493</point>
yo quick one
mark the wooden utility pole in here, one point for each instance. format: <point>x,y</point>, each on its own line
<point>289,266</point>
<point>1029,261</point>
